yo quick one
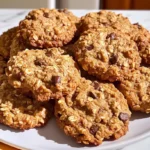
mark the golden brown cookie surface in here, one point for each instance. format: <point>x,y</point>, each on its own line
<point>45,28</point>
<point>17,46</point>
<point>105,18</point>
<point>96,111</point>
<point>3,65</point>
<point>46,73</point>
<point>136,89</point>
<point>19,111</point>
<point>5,42</point>
<point>106,53</point>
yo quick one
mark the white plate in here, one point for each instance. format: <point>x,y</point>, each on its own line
<point>52,138</point>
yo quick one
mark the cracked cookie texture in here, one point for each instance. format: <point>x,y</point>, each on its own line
<point>21,112</point>
<point>94,112</point>
<point>46,28</point>
<point>47,74</point>
<point>136,89</point>
<point>106,53</point>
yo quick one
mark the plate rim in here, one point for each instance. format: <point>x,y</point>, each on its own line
<point>109,147</point>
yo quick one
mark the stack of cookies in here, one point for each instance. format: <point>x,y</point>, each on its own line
<point>91,71</point>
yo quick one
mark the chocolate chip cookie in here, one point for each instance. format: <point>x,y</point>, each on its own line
<point>47,74</point>
<point>142,38</point>
<point>21,112</point>
<point>5,42</point>
<point>46,28</point>
<point>144,49</point>
<point>136,89</point>
<point>106,53</point>
<point>105,18</point>
<point>121,23</point>
<point>94,112</point>
<point>139,31</point>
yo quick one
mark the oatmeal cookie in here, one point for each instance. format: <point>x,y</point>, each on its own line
<point>3,65</point>
<point>47,74</point>
<point>106,53</point>
<point>45,28</point>
<point>21,112</point>
<point>138,31</point>
<point>142,38</point>
<point>96,111</point>
<point>105,18</point>
<point>5,42</point>
<point>70,15</point>
<point>143,45</point>
<point>17,46</point>
<point>136,89</point>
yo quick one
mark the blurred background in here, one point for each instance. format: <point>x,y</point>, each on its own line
<point>77,4</point>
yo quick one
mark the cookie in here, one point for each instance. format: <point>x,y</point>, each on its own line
<point>47,74</point>
<point>96,111</point>
<point>142,38</point>
<point>138,31</point>
<point>45,28</point>
<point>105,18</point>
<point>143,45</point>
<point>17,46</point>
<point>3,65</point>
<point>106,53</point>
<point>70,15</point>
<point>21,112</point>
<point>5,42</point>
<point>136,89</point>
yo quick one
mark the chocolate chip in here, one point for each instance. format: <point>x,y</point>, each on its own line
<point>90,47</point>
<point>19,75</point>
<point>39,62</point>
<point>112,36</point>
<point>91,94</point>
<point>46,14</point>
<point>56,79</point>
<point>96,85</point>
<point>48,53</point>
<point>75,95</point>
<point>94,129</point>
<point>28,94</point>
<point>138,25</point>
<point>105,24</point>
<point>117,83</point>
<point>113,59</point>
<point>123,116</point>
<point>80,135</point>
<point>59,115</point>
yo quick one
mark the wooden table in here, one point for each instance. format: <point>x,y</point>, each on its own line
<point>6,147</point>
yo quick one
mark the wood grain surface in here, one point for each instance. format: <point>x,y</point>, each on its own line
<point>6,147</point>
<point>126,4</point>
